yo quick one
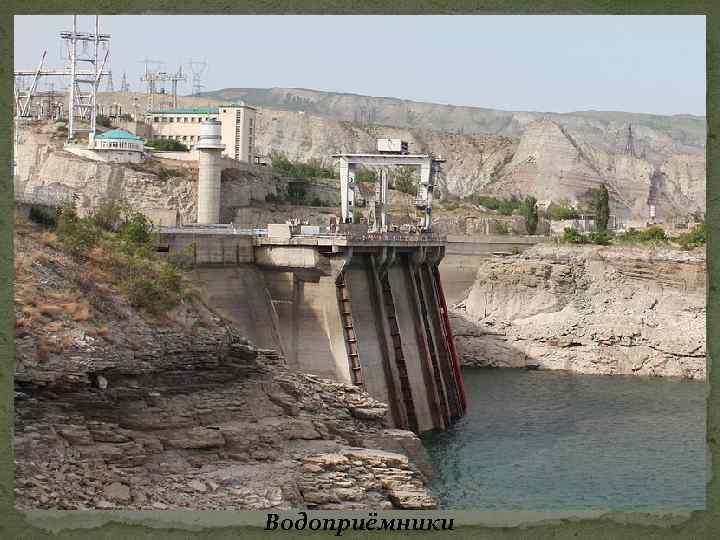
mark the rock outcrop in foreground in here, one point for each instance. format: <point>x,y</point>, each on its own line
<point>121,409</point>
<point>598,310</point>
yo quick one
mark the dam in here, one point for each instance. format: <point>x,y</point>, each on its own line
<point>361,307</point>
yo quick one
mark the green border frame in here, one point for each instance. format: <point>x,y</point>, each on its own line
<point>140,525</point>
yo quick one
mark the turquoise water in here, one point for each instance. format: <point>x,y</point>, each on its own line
<point>555,441</point>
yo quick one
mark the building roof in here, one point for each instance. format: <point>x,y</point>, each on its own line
<point>118,134</point>
<point>199,110</point>
<point>187,110</point>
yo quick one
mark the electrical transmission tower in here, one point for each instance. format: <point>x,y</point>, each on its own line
<point>84,84</point>
<point>154,79</point>
<point>124,85</point>
<point>24,93</point>
<point>109,85</point>
<point>149,77</point>
<point>630,145</point>
<point>197,68</point>
<point>87,54</point>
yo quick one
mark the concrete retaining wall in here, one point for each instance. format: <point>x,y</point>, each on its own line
<point>311,329</point>
<point>367,321</point>
<point>239,293</point>
<point>200,249</point>
<point>294,307</point>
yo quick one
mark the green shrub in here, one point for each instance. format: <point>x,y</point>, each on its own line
<point>164,173</point>
<point>653,234</point>
<point>298,169</point>
<point>167,145</point>
<point>365,175</point>
<point>296,193</point>
<point>561,211</point>
<point>149,283</point>
<point>601,238</point>
<point>125,238</point>
<point>502,227</point>
<point>136,229</point>
<point>405,179</point>
<point>44,216</point>
<point>143,291</point>
<point>316,201</point>
<point>693,238</point>
<point>77,235</point>
<point>108,215</point>
<point>504,206</point>
<point>572,236</point>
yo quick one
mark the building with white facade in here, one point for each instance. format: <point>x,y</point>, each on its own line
<point>183,125</point>
<point>118,145</point>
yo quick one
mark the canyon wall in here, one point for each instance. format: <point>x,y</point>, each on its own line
<point>551,156</point>
<point>44,169</point>
<point>598,310</point>
<point>118,407</point>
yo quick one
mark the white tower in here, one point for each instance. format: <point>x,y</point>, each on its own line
<point>209,147</point>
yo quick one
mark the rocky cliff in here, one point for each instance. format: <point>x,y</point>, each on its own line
<point>602,310</point>
<point>552,156</point>
<point>117,407</point>
<point>156,187</point>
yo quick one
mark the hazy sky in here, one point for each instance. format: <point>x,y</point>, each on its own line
<point>651,64</point>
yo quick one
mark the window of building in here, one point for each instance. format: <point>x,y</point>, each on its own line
<point>171,119</point>
<point>156,119</point>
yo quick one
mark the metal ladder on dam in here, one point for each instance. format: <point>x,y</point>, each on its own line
<point>349,331</point>
<point>399,356</point>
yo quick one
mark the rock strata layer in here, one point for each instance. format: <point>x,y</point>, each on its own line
<point>597,310</point>
<point>120,408</point>
<point>204,423</point>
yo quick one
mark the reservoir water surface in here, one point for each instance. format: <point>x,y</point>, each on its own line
<point>557,441</point>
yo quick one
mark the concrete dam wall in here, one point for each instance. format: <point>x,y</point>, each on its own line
<point>376,318</point>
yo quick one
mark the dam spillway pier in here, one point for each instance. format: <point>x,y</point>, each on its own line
<point>363,308</point>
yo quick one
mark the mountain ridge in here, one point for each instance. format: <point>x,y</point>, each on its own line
<point>214,93</point>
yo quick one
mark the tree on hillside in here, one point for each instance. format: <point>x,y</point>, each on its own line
<point>528,209</point>
<point>601,207</point>
<point>404,179</point>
